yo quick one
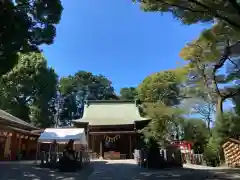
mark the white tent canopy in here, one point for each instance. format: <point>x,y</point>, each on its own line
<point>63,135</point>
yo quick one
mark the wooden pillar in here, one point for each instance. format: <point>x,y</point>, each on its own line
<point>137,141</point>
<point>134,141</point>
<point>27,146</point>
<point>19,142</point>
<point>130,147</point>
<point>92,142</point>
<point>8,148</point>
<point>14,146</point>
<point>101,149</point>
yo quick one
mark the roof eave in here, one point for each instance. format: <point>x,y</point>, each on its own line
<point>117,124</point>
<point>17,124</point>
<point>9,118</point>
<point>80,121</point>
<point>123,124</point>
<point>143,119</point>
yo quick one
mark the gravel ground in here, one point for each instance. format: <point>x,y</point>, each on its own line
<point>116,170</point>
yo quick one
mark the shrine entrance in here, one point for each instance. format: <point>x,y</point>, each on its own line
<point>112,146</point>
<point>111,143</point>
<point>112,127</point>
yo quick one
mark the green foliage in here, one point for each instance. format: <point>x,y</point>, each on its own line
<point>165,124</point>
<point>28,88</point>
<point>215,49</point>
<point>205,53</point>
<point>195,11</point>
<point>196,131</point>
<point>80,87</point>
<point>161,94</point>
<point>128,93</point>
<point>97,87</point>
<point>24,25</point>
<point>212,152</point>
<point>224,128</point>
<point>236,101</point>
<point>227,127</point>
<point>161,87</point>
<point>70,109</point>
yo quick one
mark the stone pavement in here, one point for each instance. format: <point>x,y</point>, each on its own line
<point>116,170</point>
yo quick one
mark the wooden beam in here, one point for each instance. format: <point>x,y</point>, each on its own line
<point>14,129</point>
<point>112,132</point>
<point>128,126</point>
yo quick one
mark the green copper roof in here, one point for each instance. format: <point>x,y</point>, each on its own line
<point>110,113</point>
<point>12,119</point>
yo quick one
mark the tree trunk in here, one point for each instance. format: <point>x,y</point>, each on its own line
<point>209,123</point>
<point>219,108</point>
<point>209,118</point>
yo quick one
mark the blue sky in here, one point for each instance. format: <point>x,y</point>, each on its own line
<point>118,40</point>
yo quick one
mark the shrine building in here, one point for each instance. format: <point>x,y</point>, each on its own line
<point>16,137</point>
<point>112,127</point>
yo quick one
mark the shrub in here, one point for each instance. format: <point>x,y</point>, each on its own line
<point>211,153</point>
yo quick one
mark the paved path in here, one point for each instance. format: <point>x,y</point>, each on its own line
<point>127,170</point>
<point>116,170</point>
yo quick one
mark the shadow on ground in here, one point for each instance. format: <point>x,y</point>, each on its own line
<point>116,170</point>
<point>33,172</point>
